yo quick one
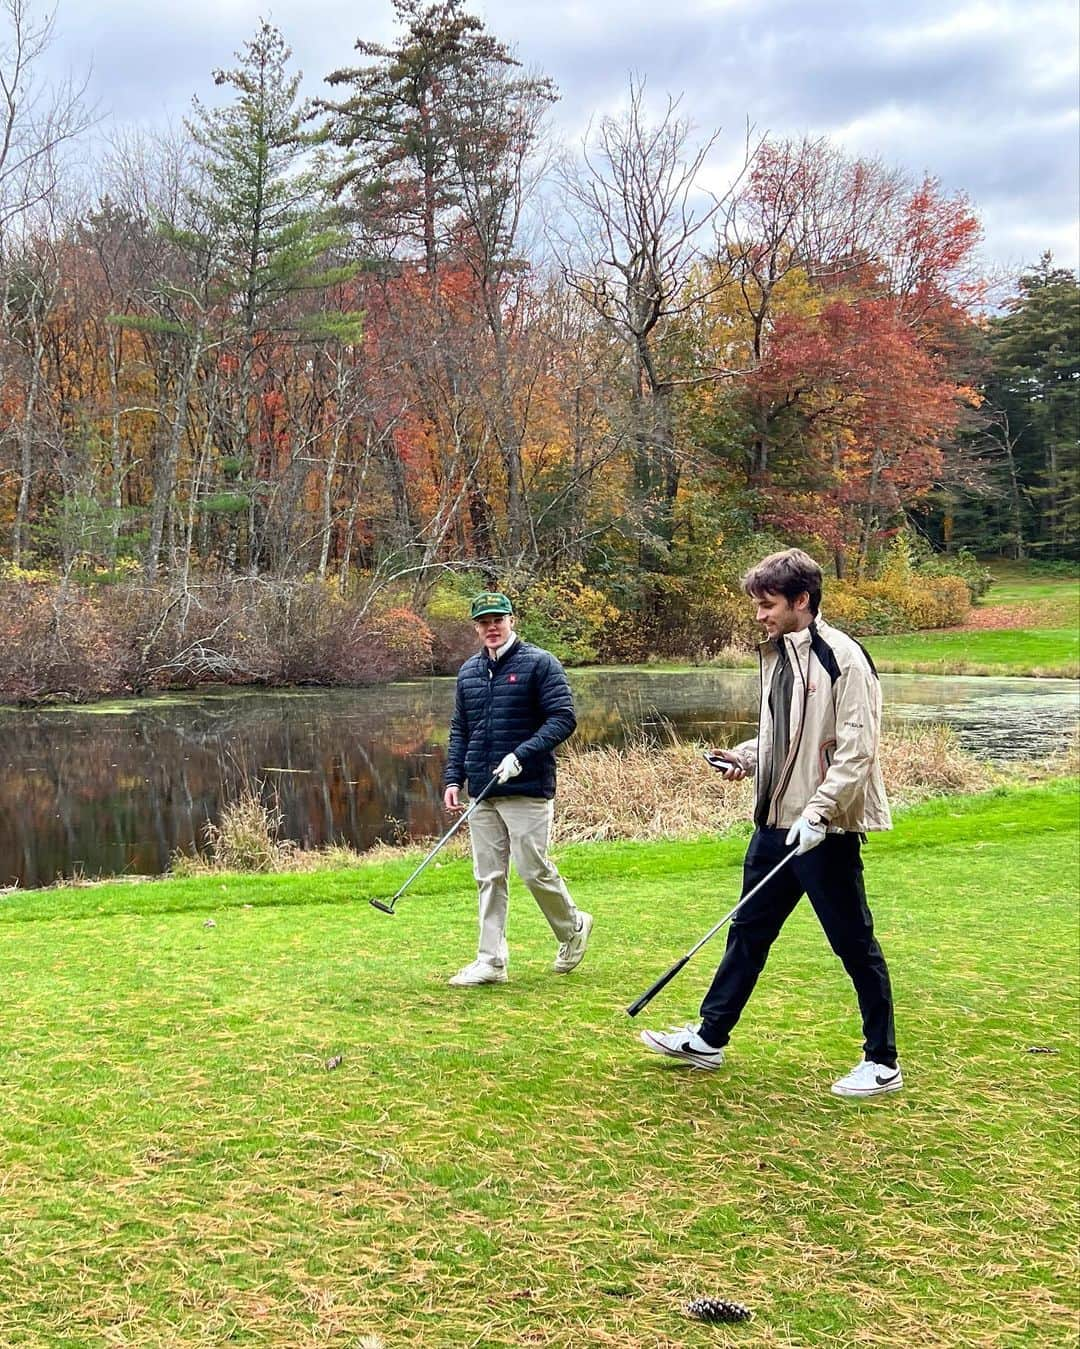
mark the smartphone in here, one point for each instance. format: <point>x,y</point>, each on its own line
<point>724,766</point>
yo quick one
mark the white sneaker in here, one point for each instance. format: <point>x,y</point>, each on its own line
<point>479,972</point>
<point>572,952</point>
<point>684,1043</point>
<point>869,1079</point>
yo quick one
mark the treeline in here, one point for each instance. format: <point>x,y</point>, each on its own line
<point>359,340</point>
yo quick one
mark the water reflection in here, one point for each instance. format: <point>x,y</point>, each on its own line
<point>119,788</point>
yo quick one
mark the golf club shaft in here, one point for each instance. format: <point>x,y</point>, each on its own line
<point>667,977</point>
<point>388,905</point>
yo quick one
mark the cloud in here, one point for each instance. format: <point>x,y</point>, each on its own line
<point>979,93</point>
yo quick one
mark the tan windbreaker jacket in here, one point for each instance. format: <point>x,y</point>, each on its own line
<point>831,772</point>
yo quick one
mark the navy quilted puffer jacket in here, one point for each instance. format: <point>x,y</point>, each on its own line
<point>520,705</point>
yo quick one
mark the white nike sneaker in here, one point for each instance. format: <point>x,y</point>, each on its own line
<point>684,1043</point>
<point>869,1079</point>
<point>572,952</point>
<point>479,972</point>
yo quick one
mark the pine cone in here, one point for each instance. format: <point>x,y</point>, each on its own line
<point>717,1310</point>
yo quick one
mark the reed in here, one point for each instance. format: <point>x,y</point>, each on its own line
<point>638,791</point>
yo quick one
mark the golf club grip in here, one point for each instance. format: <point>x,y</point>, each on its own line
<point>651,993</point>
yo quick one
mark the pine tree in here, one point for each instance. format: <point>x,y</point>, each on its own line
<point>1035,382</point>
<point>276,250</point>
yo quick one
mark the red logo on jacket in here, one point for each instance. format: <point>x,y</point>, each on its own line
<point>511,679</point>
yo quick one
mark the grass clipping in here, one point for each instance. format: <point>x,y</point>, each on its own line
<point>638,791</point>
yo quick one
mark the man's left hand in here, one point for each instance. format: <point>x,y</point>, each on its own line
<point>509,768</point>
<point>805,834</point>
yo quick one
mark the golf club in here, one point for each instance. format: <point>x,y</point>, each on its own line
<point>387,905</point>
<point>665,979</point>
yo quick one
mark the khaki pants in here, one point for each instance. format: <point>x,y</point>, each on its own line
<point>516,828</point>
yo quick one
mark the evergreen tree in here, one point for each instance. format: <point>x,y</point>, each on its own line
<point>1035,384</point>
<point>276,250</point>
<point>417,118</point>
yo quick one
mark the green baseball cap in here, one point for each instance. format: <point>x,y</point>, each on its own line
<point>490,602</point>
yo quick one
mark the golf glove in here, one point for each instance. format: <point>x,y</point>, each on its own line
<point>805,834</point>
<point>509,768</point>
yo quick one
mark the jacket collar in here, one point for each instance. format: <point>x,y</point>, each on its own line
<point>796,642</point>
<point>502,650</point>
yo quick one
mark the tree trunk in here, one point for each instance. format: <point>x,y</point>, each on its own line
<point>26,446</point>
<point>165,471</point>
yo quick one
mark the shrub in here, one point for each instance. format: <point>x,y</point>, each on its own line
<point>962,564</point>
<point>246,836</point>
<point>1052,567</point>
<point>897,602</point>
<point>565,616</point>
<point>843,605</point>
<point>386,645</point>
<point>950,600</point>
<point>446,613</point>
<point>56,642</point>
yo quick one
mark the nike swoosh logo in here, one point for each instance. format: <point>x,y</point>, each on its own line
<point>884,1081</point>
<point>687,1048</point>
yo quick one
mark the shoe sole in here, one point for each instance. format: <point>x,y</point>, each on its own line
<point>692,1059</point>
<point>867,1095</point>
<point>474,983</point>
<point>567,969</point>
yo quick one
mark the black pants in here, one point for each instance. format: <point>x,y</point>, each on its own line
<point>831,875</point>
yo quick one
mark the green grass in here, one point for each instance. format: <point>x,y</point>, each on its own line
<point>981,651</point>
<point>1049,646</point>
<point>507,1166</point>
<point>1016,583</point>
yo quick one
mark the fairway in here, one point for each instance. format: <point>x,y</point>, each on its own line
<point>508,1166</point>
<point>1045,652</point>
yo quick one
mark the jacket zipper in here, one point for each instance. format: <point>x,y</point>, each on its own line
<point>793,753</point>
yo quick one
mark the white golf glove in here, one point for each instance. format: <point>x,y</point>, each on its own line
<point>805,834</point>
<point>509,768</point>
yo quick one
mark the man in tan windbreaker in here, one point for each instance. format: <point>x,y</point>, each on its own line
<point>819,789</point>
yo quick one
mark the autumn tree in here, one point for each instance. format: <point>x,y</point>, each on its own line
<point>636,212</point>
<point>848,307</point>
<point>806,216</point>
<point>439,132</point>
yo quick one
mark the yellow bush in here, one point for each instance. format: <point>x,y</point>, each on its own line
<point>844,606</point>
<point>566,616</point>
<point>899,601</point>
<point>28,575</point>
<point>952,597</point>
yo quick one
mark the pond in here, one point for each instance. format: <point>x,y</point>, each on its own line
<point>118,788</point>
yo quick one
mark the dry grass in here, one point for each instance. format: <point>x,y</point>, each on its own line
<point>1064,764</point>
<point>919,762</point>
<point>244,839</point>
<point>645,792</point>
<point>639,791</point>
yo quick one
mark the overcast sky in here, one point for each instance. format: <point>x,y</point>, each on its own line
<point>983,95</point>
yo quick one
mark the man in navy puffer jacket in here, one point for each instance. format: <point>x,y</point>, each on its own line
<point>513,706</point>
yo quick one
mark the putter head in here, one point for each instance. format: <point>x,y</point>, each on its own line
<point>381,904</point>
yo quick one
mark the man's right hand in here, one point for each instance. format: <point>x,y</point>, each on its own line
<point>452,799</point>
<point>725,762</point>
